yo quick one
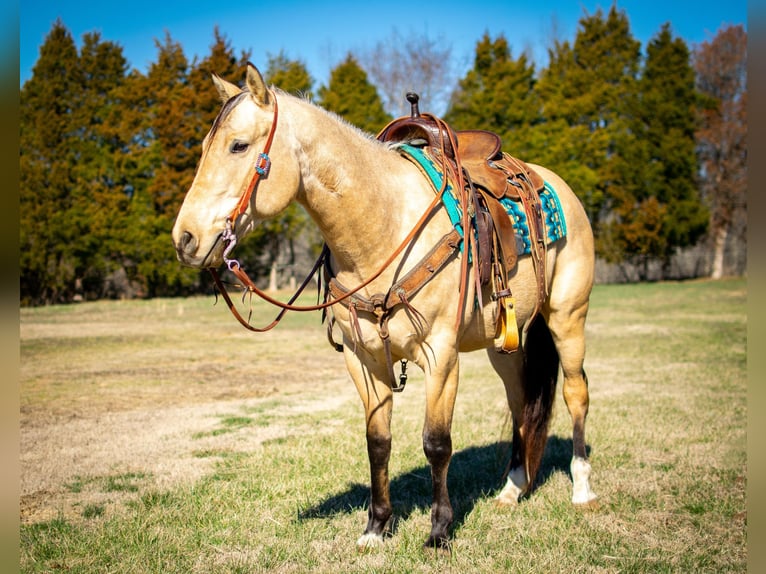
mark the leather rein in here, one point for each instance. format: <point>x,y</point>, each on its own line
<point>229,239</point>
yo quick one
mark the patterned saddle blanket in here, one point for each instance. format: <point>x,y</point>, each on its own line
<point>554,222</point>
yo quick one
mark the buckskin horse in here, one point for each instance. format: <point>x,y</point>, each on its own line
<point>418,266</point>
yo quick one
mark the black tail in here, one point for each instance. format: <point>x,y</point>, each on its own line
<point>541,374</point>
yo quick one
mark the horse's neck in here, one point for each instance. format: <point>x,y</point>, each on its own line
<point>363,196</point>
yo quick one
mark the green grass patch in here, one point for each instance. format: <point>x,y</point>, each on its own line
<point>93,510</point>
<point>128,482</point>
<point>125,482</point>
<point>229,423</point>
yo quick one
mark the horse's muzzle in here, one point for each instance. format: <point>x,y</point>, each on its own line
<point>188,251</point>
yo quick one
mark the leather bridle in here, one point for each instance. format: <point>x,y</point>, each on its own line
<point>260,169</point>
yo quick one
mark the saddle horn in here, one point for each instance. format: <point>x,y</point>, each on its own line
<point>420,129</point>
<point>413,99</point>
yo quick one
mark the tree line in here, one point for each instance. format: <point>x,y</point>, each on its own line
<point>653,144</point>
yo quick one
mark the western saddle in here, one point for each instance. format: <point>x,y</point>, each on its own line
<point>488,175</point>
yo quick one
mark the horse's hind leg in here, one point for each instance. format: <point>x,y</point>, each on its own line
<point>511,370</point>
<point>568,331</point>
<point>530,385</point>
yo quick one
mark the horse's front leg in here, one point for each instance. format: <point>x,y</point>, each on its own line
<point>371,383</point>
<point>441,390</point>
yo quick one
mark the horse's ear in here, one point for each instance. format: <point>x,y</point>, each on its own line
<point>226,90</point>
<point>256,85</point>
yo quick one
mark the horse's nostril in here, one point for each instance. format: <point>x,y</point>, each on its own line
<point>187,242</point>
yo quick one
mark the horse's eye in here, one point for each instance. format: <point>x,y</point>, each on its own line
<point>238,147</point>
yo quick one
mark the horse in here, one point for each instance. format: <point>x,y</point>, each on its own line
<point>366,200</point>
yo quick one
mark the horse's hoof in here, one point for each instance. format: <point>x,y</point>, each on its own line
<point>515,488</point>
<point>439,546</point>
<point>509,497</point>
<point>590,504</point>
<point>506,501</point>
<point>369,542</point>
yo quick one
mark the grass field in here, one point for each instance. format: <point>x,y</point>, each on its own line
<point>160,436</point>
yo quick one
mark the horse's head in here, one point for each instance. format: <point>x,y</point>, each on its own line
<point>230,168</point>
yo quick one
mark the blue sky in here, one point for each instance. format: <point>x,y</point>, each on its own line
<point>322,33</point>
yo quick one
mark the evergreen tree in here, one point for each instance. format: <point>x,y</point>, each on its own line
<point>171,126</point>
<point>47,101</point>
<point>659,209</point>
<point>144,245</point>
<point>498,95</point>
<point>350,95</point>
<point>561,142</point>
<point>175,134</point>
<point>288,75</point>
<point>65,177</point>
<point>221,61</point>
<point>100,191</point>
<point>588,94</point>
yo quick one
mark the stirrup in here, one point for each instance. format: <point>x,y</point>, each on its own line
<point>507,333</point>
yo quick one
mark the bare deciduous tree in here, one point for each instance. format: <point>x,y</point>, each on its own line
<point>415,63</point>
<point>721,66</point>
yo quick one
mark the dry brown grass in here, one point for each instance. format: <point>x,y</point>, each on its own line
<point>124,387</point>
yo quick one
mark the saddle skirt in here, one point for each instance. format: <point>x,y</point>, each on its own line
<point>491,168</point>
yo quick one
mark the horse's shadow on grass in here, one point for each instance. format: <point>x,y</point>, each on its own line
<point>475,473</point>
